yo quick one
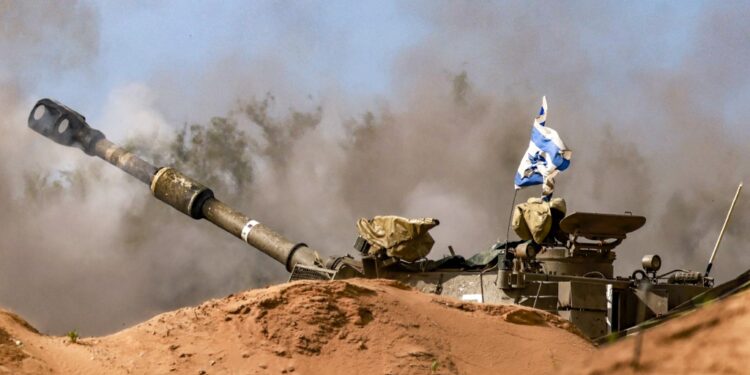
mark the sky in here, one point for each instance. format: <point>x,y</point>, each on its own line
<point>354,44</point>
<point>351,43</point>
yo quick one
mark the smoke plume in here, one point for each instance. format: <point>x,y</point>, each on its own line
<point>83,246</point>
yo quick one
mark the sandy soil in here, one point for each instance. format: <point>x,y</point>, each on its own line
<point>342,327</point>
<point>711,340</point>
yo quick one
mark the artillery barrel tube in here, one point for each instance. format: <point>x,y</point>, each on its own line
<point>180,192</point>
<point>197,201</point>
<point>258,235</point>
<point>125,160</point>
<point>67,127</point>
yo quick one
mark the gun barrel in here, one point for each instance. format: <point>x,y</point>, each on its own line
<point>69,128</point>
<point>125,160</point>
<point>259,236</point>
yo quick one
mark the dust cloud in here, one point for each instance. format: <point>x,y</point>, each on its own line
<point>82,246</point>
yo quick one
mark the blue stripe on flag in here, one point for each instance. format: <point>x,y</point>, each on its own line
<point>564,165</point>
<point>534,179</point>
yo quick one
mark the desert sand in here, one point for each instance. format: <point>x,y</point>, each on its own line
<point>308,327</point>
<point>712,339</point>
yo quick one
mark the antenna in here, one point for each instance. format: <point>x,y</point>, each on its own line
<point>723,228</point>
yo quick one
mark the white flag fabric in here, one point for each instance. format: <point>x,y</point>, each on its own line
<point>546,153</point>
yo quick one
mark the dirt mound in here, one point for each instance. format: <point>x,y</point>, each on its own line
<point>710,340</point>
<point>342,327</point>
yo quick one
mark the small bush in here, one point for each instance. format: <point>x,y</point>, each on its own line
<point>73,336</point>
<point>435,366</point>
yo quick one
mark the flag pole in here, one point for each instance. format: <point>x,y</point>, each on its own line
<point>510,218</point>
<point>723,229</point>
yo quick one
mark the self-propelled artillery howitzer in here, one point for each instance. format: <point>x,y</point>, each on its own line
<point>569,273</point>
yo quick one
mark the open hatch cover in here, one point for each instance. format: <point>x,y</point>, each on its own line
<point>600,226</point>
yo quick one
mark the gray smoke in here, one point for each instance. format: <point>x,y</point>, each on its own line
<point>83,246</point>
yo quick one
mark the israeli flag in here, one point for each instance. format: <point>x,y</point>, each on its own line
<point>546,153</point>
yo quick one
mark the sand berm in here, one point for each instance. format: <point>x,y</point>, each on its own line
<point>309,327</point>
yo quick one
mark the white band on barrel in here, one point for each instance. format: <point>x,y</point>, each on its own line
<point>247,228</point>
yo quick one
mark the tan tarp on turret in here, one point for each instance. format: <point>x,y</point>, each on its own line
<point>533,219</point>
<point>400,237</point>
